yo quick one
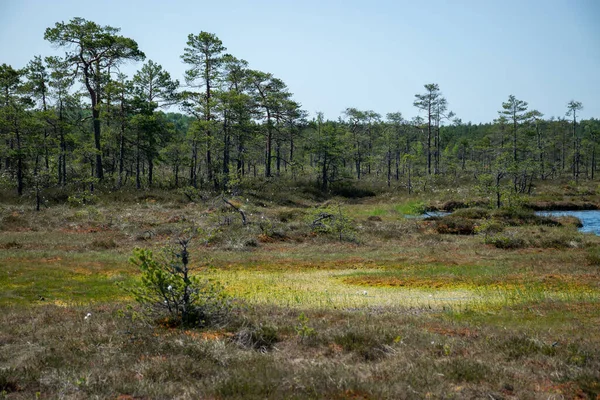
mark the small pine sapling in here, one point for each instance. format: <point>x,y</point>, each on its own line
<point>168,287</point>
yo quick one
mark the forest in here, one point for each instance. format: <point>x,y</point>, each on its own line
<point>209,238</point>
<point>77,122</point>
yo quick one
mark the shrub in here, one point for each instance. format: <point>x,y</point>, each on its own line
<point>452,205</point>
<point>11,245</point>
<point>192,194</point>
<point>82,199</point>
<point>272,229</point>
<point>261,338</point>
<point>489,228</point>
<point>304,331</point>
<point>593,255</point>
<point>455,225</point>
<point>557,240</point>
<point>103,244</point>
<point>506,241</point>
<point>569,220</point>
<point>516,347</point>
<point>169,288</point>
<point>332,220</point>
<point>14,221</point>
<point>472,213</point>
<point>520,216</point>
<point>289,215</point>
<point>351,192</point>
<point>369,345</point>
<point>465,370</point>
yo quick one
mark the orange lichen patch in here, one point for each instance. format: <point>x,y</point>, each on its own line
<point>169,323</point>
<point>266,239</point>
<point>208,335</point>
<point>408,281</point>
<point>216,335</point>
<point>567,390</point>
<point>335,348</point>
<point>454,332</point>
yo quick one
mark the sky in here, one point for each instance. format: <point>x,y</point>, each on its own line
<point>371,55</point>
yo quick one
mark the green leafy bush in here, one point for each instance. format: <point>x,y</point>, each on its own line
<point>168,288</point>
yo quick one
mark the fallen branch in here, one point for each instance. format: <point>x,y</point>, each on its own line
<point>244,221</point>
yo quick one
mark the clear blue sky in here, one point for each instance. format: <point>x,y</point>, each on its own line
<point>373,55</point>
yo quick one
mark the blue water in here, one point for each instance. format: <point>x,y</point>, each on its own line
<point>589,218</point>
<point>427,214</point>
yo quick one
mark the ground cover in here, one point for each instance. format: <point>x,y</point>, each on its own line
<point>396,310</point>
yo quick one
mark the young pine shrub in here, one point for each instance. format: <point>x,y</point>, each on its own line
<point>332,220</point>
<point>168,289</point>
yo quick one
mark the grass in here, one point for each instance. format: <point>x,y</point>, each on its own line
<point>402,312</point>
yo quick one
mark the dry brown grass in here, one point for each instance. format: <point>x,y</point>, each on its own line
<point>538,339</point>
<point>393,353</point>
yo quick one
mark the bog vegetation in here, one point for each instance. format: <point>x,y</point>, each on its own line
<point>239,249</point>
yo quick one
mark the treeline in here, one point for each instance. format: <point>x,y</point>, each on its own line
<point>77,121</point>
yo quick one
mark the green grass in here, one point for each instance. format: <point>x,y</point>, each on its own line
<point>410,208</point>
<point>62,278</point>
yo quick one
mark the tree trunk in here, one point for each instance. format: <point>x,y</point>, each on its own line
<point>278,156</point>
<point>138,181</point>
<point>20,184</point>
<point>193,163</point>
<point>515,137</point>
<point>269,143</point>
<point>429,140</point>
<point>324,174</point>
<point>150,170</point>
